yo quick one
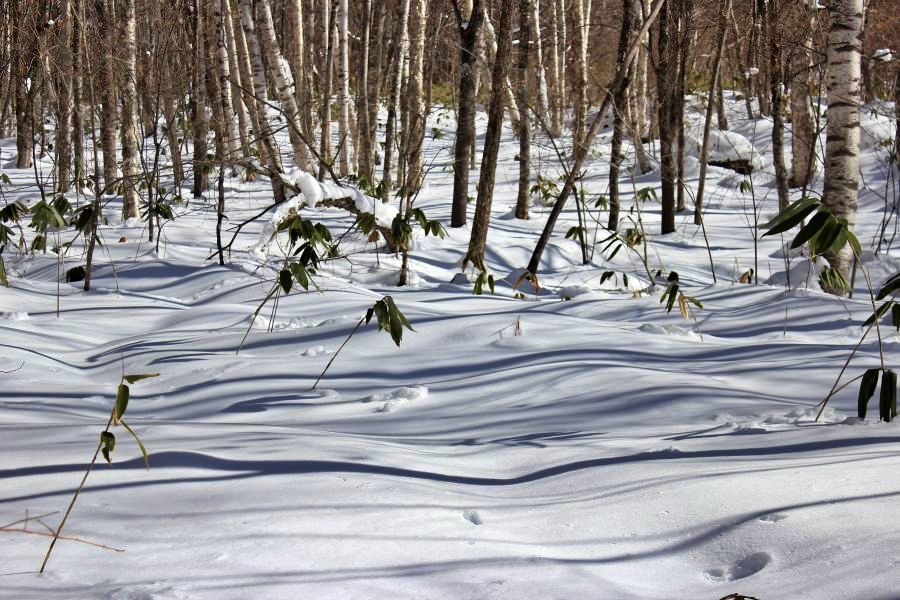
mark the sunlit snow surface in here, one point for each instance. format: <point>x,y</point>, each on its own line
<point>540,448</point>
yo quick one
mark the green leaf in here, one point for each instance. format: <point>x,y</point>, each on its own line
<point>4,281</point>
<point>830,238</point>
<point>891,286</point>
<point>694,301</point>
<point>139,443</point>
<point>815,226</point>
<point>107,444</point>
<point>285,280</point>
<point>895,317</point>
<point>879,313</point>
<point>122,396</point>
<point>139,376</point>
<point>854,242</point>
<point>791,216</point>
<point>866,391</point>
<point>300,274</point>
<point>888,398</point>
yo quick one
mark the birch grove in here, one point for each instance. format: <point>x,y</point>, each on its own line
<point>200,93</point>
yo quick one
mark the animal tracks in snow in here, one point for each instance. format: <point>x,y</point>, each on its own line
<point>750,565</point>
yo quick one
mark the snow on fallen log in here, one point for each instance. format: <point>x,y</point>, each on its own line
<point>312,193</point>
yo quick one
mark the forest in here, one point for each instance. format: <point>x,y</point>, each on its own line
<point>449,299</point>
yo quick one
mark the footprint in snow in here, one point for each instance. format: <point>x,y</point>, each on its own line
<point>390,401</point>
<point>773,518</point>
<point>472,517</point>
<point>744,568</point>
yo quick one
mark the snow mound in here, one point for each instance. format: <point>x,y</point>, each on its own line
<point>390,401</point>
<point>17,315</point>
<point>670,329</point>
<point>573,291</point>
<point>724,146</point>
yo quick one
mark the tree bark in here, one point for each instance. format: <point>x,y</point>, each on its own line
<point>844,97</point>
<point>481,221</point>
<point>666,86</point>
<point>619,110</point>
<point>470,29</point>
<point>526,35</point>
<point>131,171</point>
<point>776,90</point>
<point>724,9</point>
<point>400,49</point>
<point>803,126</point>
<point>283,83</point>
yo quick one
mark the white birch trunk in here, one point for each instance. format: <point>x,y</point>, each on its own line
<point>283,83</point>
<point>130,168</point>
<point>343,19</point>
<point>842,147</point>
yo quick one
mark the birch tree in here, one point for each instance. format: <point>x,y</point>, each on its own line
<point>283,83</point>
<point>844,81</point>
<point>130,168</point>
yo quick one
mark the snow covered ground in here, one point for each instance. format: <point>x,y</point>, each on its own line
<point>591,447</point>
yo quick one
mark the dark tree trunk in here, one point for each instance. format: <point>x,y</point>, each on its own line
<point>465,127</point>
<point>480,223</point>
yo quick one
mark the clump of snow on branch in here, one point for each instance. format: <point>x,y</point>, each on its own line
<point>312,192</point>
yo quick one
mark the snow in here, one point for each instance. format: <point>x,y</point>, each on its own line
<point>884,55</point>
<point>515,448</point>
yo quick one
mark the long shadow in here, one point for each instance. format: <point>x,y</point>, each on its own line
<point>196,460</point>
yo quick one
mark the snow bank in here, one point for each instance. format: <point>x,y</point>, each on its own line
<point>724,146</point>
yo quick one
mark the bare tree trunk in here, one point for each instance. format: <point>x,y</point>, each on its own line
<point>237,81</point>
<point>470,29</point>
<point>557,77</point>
<point>231,141</point>
<point>803,126</point>
<point>254,55</point>
<point>343,87</point>
<point>526,35</point>
<point>415,103</point>
<point>400,47</point>
<point>666,86</point>
<point>776,89</point>
<point>362,151</point>
<point>64,76</point>
<point>506,87</point>
<point>844,97</point>
<point>638,93</point>
<point>685,27</point>
<point>131,170</point>
<point>481,222</point>
<point>374,74</point>
<point>199,110</point>
<point>25,61</point>
<point>538,53</point>
<point>296,55</point>
<point>108,115</point>
<point>724,9</point>
<point>283,83</point>
<point>77,95</point>
<point>582,17</point>
<point>325,119</point>
<point>619,109</point>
